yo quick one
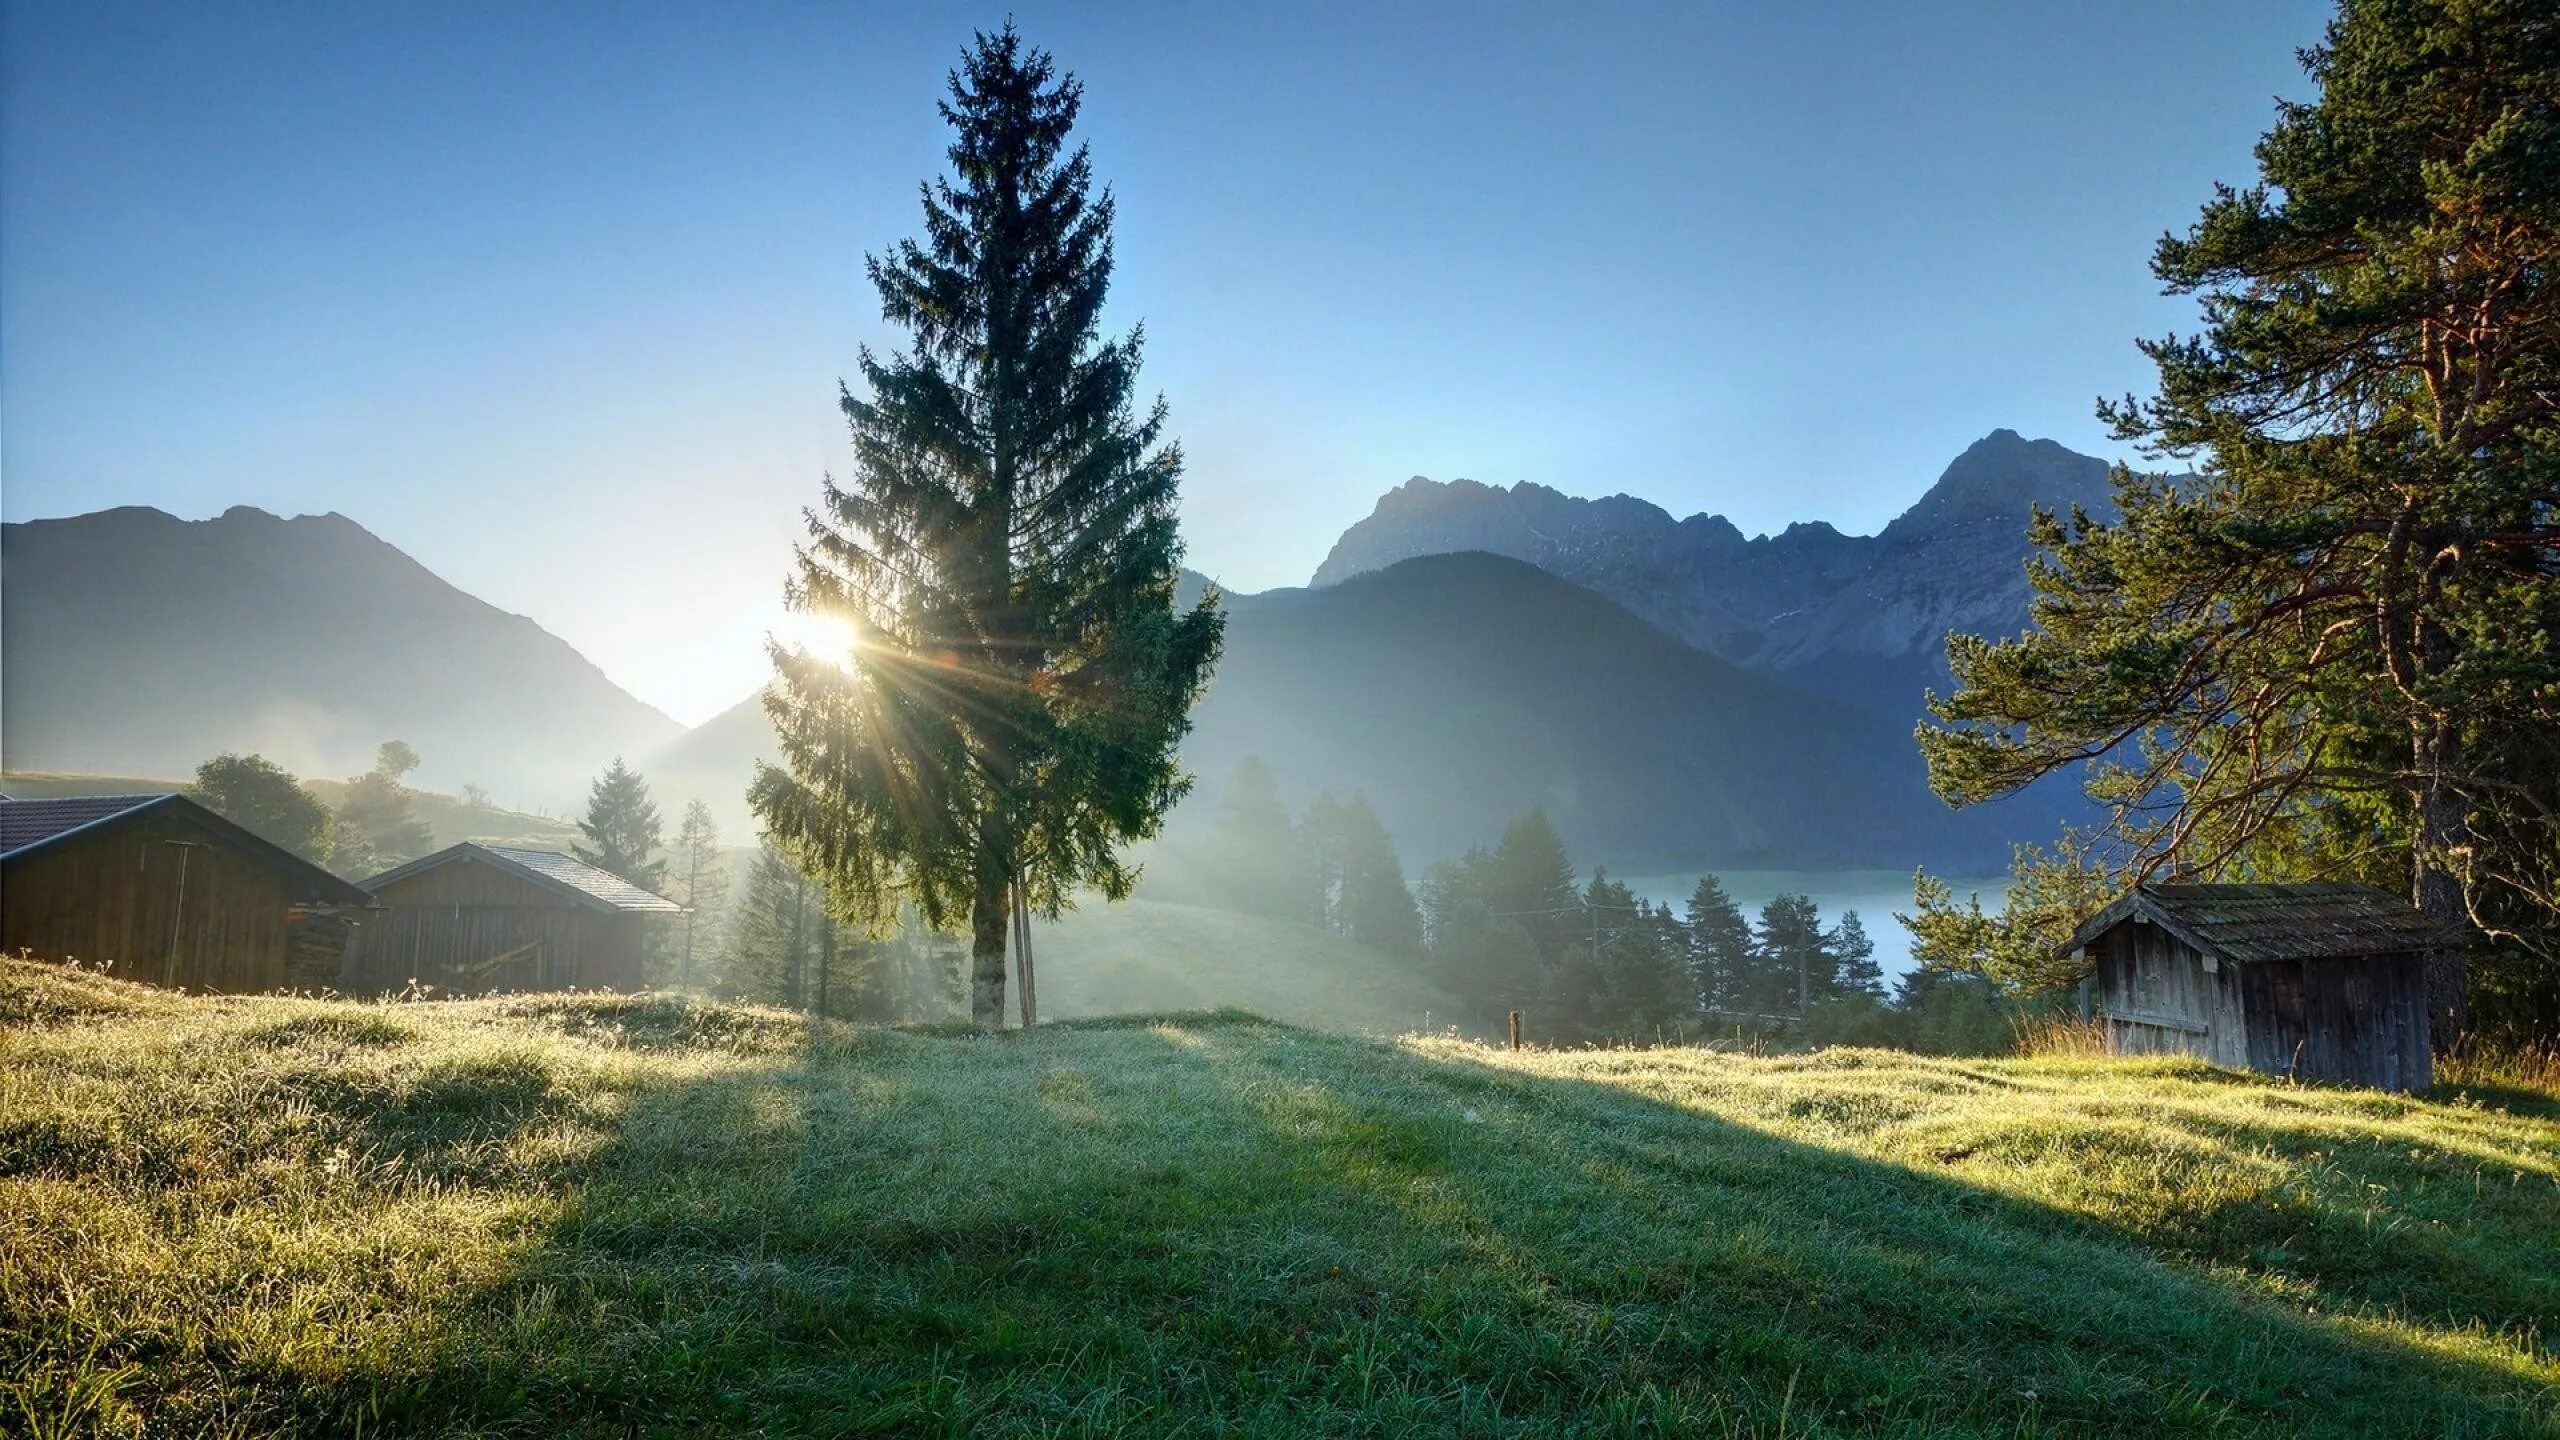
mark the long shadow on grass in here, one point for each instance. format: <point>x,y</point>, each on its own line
<point>1231,1227</point>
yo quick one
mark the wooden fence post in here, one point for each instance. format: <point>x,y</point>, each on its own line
<point>1515,1029</point>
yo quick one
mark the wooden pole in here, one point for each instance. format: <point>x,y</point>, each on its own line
<point>1515,1029</point>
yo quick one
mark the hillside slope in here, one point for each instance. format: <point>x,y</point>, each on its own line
<point>450,819</point>
<point>1457,691</point>
<point>136,641</point>
<point>606,1217</point>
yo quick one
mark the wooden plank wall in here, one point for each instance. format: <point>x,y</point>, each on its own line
<point>466,949</point>
<point>469,927</point>
<point>2157,996</point>
<point>112,895</point>
<point>2359,1020</point>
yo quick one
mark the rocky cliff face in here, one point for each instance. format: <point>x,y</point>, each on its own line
<point>1809,599</point>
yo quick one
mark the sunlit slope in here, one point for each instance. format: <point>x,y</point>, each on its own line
<point>607,1217</point>
<point>1145,955</point>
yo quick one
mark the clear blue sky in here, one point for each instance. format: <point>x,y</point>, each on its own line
<point>555,296</point>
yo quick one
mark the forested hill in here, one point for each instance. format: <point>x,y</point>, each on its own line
<point>1457,691</point>
<point>1863,617</point>
<point>141,643</point>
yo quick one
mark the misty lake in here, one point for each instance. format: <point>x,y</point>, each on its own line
<point>1874,894</point>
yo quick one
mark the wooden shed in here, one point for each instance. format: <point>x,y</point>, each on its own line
<point>2321,982</point>
<point>159,889</point>
<point>476,918</point>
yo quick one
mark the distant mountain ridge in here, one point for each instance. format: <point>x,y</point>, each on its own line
<point>1457,691</point>
<point>137,641</point>
<point>1860,616</point>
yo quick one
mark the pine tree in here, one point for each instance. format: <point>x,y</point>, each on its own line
<point>698,875</point>
<point>1489,961</point>
<point>1004,558</point>
<point>769,943</point>
<point>2326,653</point>
<point>1262,862</point>
<point>263,798</point>
<point>622,828</point>
<point>1718,944</point>
<point>1361,891</point>
<point>1789,954</point>
<point>1530,878</point>
<point>1854,970</point>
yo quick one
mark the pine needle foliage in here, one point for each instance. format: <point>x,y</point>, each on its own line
<point>1003,556</point>
<point>2329,651</point>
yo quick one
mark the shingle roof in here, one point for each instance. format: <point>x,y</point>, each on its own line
<point>577,880</point>
<point>25,823</point>
<point>2252,923</point>
<point>29,825</point>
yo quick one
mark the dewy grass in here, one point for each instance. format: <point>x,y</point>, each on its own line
<point>605,1215</point>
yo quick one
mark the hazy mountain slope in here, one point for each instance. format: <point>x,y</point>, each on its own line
<point>1458,690</point>
<point>1860,616</point>
<point>450,819</point>
<point>136,641</point>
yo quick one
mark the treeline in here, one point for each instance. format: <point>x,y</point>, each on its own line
<point>775,945</point>
<point>1513,926</point>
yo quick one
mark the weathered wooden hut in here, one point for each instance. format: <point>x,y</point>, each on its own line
<point>475,918</point>
<point>159,889</point>
<point>2321,982</point>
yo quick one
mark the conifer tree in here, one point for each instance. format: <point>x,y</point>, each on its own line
<point>1004,557</point>
<point>1854,970</point>
<point>622,828</point>
<point>1368,899</point>
<point>2327,652</point>
<point>1791,959</point>
<point>1718,944</point>
<point>698,877</point>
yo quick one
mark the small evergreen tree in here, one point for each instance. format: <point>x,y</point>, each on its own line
<point>1718,944</point>
<point>261,797</point>
<point>699,875</point>
<point>1262,862</point>
<point>622,828</point>
<point>1364,894</point>
<point>1791,957</point>
<point>1854,970</point>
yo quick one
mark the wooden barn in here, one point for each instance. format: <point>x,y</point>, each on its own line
<point>476,918</point>
<point>2320,982</point>
<point>159,889</point>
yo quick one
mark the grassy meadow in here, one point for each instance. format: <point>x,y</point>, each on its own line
<point>612,1216</point>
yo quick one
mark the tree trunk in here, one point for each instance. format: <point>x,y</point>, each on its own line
<point>2443,828</point>
<point>990,914</point>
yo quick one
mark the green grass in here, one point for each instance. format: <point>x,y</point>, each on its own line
<point>1149,955</point>
<point>604,1216</point>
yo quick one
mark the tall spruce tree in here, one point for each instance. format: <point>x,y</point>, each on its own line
<point>622,828</point>
<point>2328,651</point>
<point>1365,896</point>
<point>1004,558</point>
<point>1718,942</point>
